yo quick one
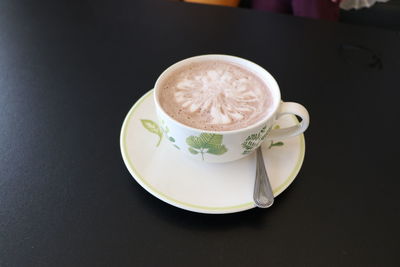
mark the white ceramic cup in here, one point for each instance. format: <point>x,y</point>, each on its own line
<point>224,146</point>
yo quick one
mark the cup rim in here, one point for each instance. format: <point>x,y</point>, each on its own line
<point>271,80</point>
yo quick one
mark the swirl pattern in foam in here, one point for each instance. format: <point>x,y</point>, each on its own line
<point>215,95</point>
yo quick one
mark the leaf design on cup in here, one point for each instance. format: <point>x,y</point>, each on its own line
<point>254,140</point>
<point>280,143</point>
<point>275,144</point>
<point>206,143</point>
<point>153,127</point>
<point>165,129</point>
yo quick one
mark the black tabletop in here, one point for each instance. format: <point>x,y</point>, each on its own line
<point>71,70</point>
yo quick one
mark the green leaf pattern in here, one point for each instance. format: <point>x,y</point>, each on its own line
<point>153,127</point>
<point>193,151</point>
<point>280,143</point>
<point>209,143</point>
<point>165,129</point>
<point>254,140</point>
<point>206,143</point>
<point>275,144</point>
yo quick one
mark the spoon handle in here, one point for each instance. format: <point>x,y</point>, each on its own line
<point>263,195</point>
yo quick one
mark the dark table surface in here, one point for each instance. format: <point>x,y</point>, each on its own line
<point>71,70</point>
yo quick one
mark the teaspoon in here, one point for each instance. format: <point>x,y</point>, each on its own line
<point>263,195</point>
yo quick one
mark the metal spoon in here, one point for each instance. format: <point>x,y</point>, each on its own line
<point>263,195</point>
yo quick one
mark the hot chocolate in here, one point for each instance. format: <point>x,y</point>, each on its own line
<point>215,95</point>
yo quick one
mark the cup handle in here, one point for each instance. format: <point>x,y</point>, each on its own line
<point>290,108</point>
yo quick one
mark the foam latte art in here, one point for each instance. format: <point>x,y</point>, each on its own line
<point>215,95</point>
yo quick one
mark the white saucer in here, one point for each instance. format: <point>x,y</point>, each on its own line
<point>194,185</point>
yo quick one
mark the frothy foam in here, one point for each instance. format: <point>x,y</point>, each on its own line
<point>215,95</point>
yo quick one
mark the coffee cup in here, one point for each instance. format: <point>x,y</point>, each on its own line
<point>220,108</point>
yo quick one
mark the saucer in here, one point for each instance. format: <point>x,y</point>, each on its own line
<point>196,186</point>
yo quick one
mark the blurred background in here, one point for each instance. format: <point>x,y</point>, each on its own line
<point>377,13</point>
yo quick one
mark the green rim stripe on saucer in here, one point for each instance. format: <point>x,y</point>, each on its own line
<point>173,201</point>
